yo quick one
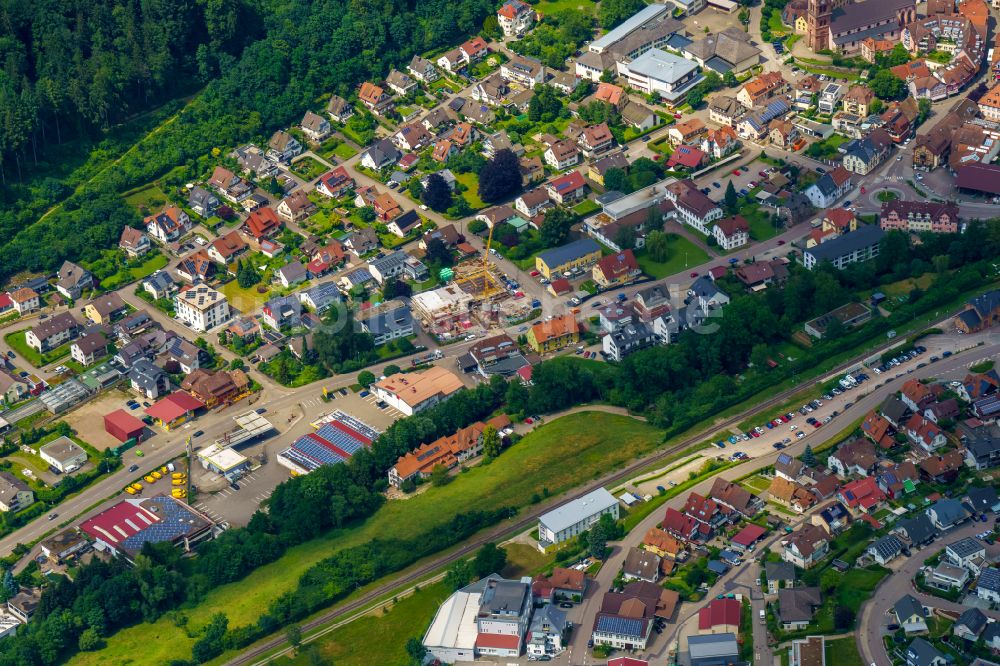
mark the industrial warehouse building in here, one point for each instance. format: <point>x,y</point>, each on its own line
<point>572,518</point>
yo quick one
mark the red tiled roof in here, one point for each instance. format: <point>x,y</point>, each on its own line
<point>174,406</point>
<point>501,641</point>
<point>719,612</point>
<point>748,535</point>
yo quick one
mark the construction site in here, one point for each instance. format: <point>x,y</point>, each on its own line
<point>476,294</point>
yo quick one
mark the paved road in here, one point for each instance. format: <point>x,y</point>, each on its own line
<point>876,612</point>
<point>762,455</point>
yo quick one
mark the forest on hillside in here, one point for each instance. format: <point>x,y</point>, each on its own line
<point>71,67</point>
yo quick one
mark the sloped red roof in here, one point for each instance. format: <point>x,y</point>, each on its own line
<point>748,535</point>
<point>174,406</point>
<point>719,612</point>
<point>511,642</point>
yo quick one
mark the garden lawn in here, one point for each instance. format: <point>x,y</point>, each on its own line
<point>471,181</point>
<point>20,345</point>
<point>244,300</point>
<point>586,207</point>
<point>756,484</point>
<point>149,267</point>
<point>597,442</point>
<point>344,151</point>
<point>683,255</point>
<point>843,652</point>
<point>549,6</point>
<point>379,638</point>
<point>308,168</point>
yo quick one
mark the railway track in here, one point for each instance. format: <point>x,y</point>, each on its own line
<point>525,521</point>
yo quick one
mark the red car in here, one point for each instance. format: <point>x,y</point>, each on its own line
<point>781,242</point>
<point>528,420</point>
<point>762,174</point>
<point>694,274</point>
<point>736,172</point>
<point>862,189</point>
<point>677,115</point>
<point>534,273</point>
<point>754,433</point>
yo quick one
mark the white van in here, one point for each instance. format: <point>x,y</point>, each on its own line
<point>763,620</point>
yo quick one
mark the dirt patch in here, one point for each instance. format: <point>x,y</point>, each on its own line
<point>88,418</point>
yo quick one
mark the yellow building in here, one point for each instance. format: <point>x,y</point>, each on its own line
<point>554,334</point>
<point>104,308</point>
<point>578,254</point>
<point>801,25</point>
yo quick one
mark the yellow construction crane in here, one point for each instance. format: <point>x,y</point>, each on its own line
<point>481,277</point>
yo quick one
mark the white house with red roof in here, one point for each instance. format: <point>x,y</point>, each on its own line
<point>262,223</point>
<point>566,189</point>
<point>515,18</point>
<point>732,232</point>
<point>335,184</point>
<point>615,270</point>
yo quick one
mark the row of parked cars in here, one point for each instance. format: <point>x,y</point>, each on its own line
<point>903,358</point>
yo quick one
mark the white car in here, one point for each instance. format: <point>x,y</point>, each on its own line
<point>793,427</point>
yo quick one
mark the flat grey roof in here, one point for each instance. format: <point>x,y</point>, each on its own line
<point>636,21</point>
<point>572,512</point>
<point>662,66</point>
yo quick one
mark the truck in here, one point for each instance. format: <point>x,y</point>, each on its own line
<point>763,619</point>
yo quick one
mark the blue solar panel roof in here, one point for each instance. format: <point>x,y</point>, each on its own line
<point>176,520</point>
<point>312,449</point>
<point>340,439</point>
<point>622,626</point>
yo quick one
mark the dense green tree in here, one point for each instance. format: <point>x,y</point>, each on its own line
<point>658,246</point>
<point>491,442</point>
<point>615,179</point>
<point>612,12</point>
<point>597,542</point>
<point>490,559</point>
<point>500,177</point>
<point>545,105</point>
<point>437,193</point>
<point>555,228</point>
<point>459,575</point>
<point>808,457</point>
<point>731,199</point>
<point>887,86</point>
<point>415,648</point>
<point>366,378</point>
<point>625,237</point>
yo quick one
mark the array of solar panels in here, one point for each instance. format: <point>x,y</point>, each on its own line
<point>334,442</point>
<point>621,626</point>
<point>176,520</point>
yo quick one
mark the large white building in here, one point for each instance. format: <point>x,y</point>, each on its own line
<point>416,391</point>
<point>64,454</point>
<point>202,307</point>
<point>488,618</point>
<point>574,517</point>
<point>657,71</point>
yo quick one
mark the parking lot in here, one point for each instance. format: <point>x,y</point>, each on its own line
<point>748,177</point>
<point>88,418</point>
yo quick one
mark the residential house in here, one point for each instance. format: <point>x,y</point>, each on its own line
<point>692,206</point>
<point>791,494</point>
<point>732,232</point>
<point>168,225</point>
<point>968,553</point>
<point>981,312</point>
<point>202,202</point>
<point>779,575</point>
<point>788,468</point>
<point>527,72</point>
<point>760,89</point>
<point>885,549</point>
<point>380,155</point>
<point>830,187</point>
<point>720,142</point>
<point>374,98</point>
<point>858,100</point>
<point>595,139</point>
<point>626,618</point>
<point>561,155</point>
<point>736,498</point>
<point>196,267</point>
<point>782,133</point>
<point>916,395</point>
<point>576,255</point>
<point>988,587</point>
<point>554,334</point>
<point>641,564</point>
<point>262,223</point>
<point>422,70</point>
<point>663,544</point>
<point>628,339</point>
<point>400,83</point>
<point>856,457</point>
<point>320,297</point>
<point>946,513</point>
<point>922,653</point>
<point>616,270</point>
<point>412,137</point>
<point>335,184</point>
<point>862,495</point>
<point>925,433</point>
<point>726,111</point>
<point>806,546</point>
<point>104,309</point>
<point>134,242</point>
<point>15,494</point>
<point>861,245</point>
<point>516,18</point>
<point>895,411</point>
<point>796,607</point>
<point>52,332</point>
<point>24,300</point>
<point>947,577</point>
<point>295,207</point>
<point>226,248</point>
<point>687,157</point>
<point>918,530</point>
<point>759,275</point>
<point>201,307</point>
<point>910,614</point>
<point>229,185</point>
<point>282,146</point>
<point>282,311</point>
<point>898,480</point>
<point>861,156</point>
<point>983,500</point>
<point>686,132</point>
<point>315,127</point>
<point>597,168</point>
<point>878,429</point>
<point>88,348</point>
<point>567,188</point>
<point>942,469</point>
<point>970,625</point>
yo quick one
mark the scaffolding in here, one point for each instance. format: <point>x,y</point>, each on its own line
<point>478,279</point>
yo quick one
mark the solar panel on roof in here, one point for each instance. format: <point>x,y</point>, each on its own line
<point>316,451</point>
<point>621,625</point>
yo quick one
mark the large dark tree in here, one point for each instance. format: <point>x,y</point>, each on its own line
<point>438,253</point>
<point>556,227</point>
<point>500,177</point>
<point>437,194</point>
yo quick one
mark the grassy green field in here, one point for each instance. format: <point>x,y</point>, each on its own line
<point>344,152</point>
<point>761,228</point>
<point>526,560</point>
<point>756,483</point>
<point>843,652</point>
<point>308,168</point>
<point>597,442</point>
<point>683,255</point>
<point>379,638</point>
<point>147,198</point>
<point>551,6</point>
<point>471,194</point>
<point>586,207</point>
